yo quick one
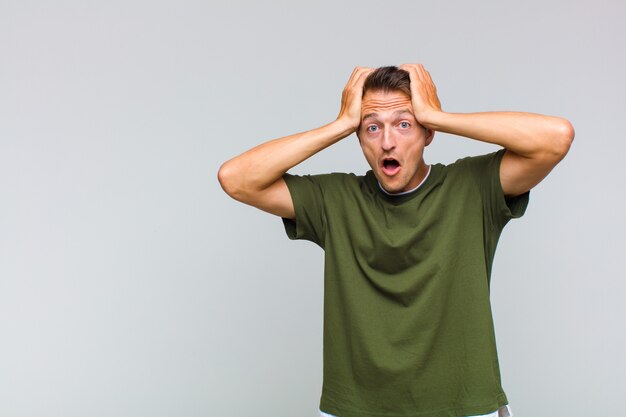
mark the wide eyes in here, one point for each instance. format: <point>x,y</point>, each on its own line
<point>374,128</point>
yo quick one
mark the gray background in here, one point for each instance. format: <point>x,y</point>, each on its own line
<point>131,285</point>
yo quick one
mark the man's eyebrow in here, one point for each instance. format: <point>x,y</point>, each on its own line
<point>395,113</point>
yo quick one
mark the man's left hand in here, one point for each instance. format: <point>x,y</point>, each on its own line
<point>423,91</point>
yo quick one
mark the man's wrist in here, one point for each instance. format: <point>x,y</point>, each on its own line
<point>431,119</point>
<point>346,127</point>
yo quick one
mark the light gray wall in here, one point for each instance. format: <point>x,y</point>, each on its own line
<point>131,285</point>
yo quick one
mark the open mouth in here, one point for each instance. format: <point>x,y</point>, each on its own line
<point>390,166</point>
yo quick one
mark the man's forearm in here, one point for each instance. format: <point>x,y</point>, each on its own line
<point>526,134</point>
<point>255,176</point>
<point>260,167</point>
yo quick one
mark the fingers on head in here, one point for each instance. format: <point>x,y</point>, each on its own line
<point>412,69</point>
<point>354,74</point>
<point>359,75</point>
<point>406,67</point>
<point>359,70</point>
<point>353,77</point>
<point>422,72</point>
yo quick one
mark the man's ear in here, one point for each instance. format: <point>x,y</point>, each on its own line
<point>430,135</point>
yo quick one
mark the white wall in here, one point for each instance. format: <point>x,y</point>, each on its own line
<point>131,285</point>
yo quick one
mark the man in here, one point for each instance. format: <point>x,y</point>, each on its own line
<point>408,329</point>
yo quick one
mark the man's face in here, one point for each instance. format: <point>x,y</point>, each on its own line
<point>392,140</point>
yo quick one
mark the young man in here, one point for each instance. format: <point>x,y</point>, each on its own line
<point>408,329</point>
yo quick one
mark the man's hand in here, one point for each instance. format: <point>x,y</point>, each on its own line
<point>534,143</point>
<point>423,92</point>
<point>350,112</point>
<point>256,176</point>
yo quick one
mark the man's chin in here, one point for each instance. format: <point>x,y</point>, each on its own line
<point>390,187</point>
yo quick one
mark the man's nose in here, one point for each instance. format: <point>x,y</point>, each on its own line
<point>389,140</point>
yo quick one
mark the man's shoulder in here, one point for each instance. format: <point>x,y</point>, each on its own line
<point>326,178</point>
<point>478,158</point>
<point>334,186</point>
<point>475,162</point>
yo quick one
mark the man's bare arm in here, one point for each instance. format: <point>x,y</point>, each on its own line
<point>255,177</point>
<point>534,143</point>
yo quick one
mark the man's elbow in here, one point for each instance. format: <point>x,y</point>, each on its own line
<point>560,142</point>
<point>228,179</point>
<point>564,138</point>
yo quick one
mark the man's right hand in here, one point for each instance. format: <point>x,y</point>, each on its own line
<point>350,112</point>
<point>256,176</point>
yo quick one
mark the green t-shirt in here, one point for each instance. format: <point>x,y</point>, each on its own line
<point>408,330</point>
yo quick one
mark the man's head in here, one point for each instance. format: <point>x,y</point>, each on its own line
<point>391,138</point>
<point>387,79</point>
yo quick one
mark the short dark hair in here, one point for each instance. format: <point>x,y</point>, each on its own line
<point>387,79</point>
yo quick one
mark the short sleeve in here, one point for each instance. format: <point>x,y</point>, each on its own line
<point>498,208</point>
<point>308,202</point>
